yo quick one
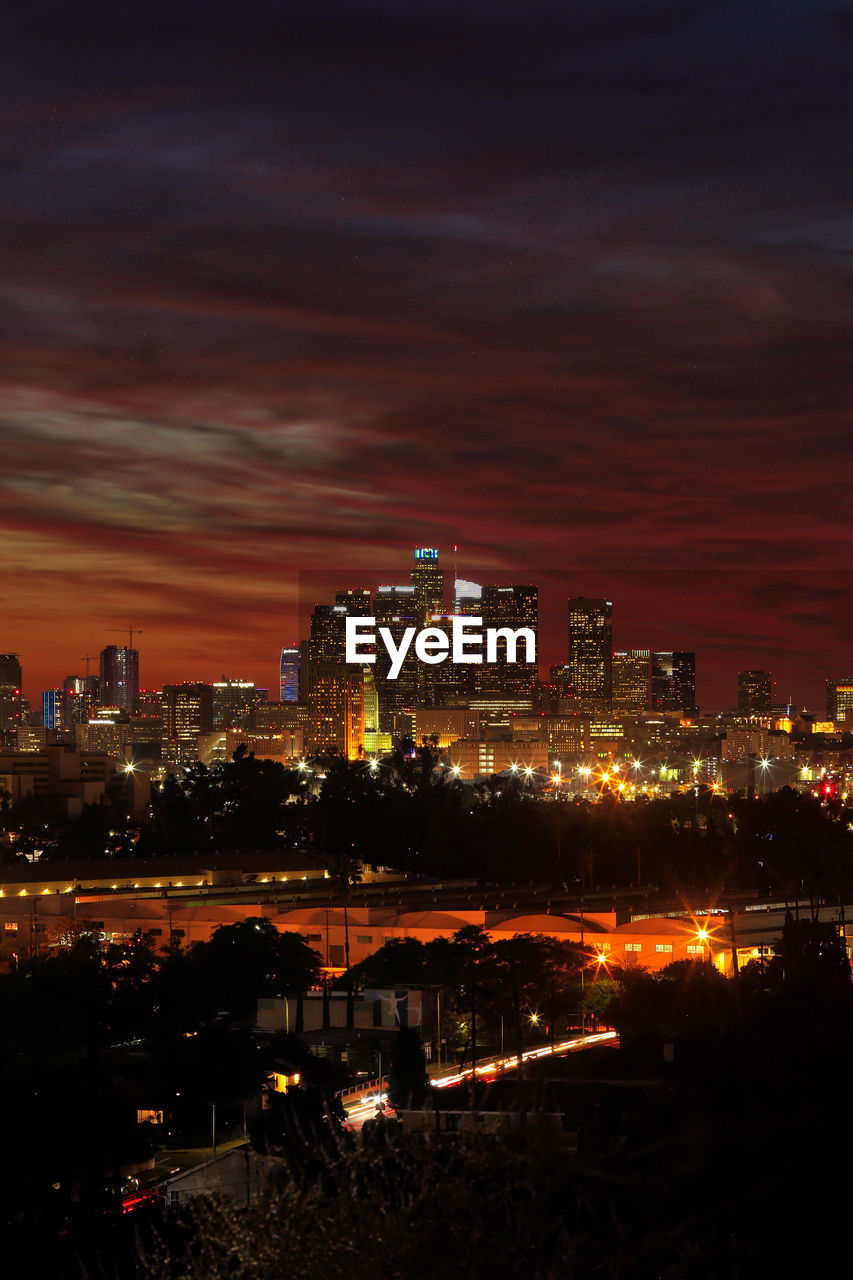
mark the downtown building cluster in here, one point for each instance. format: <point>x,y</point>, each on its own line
<point>598,708</point>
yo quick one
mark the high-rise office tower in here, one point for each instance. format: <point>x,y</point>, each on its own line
<point>631,672</point>
<point>673,682</point>
<point>427,578</point>
<point>445,682</point>
<point>356,601</point>
<point>80,696</point>
<point>591,652</point>
<point>11,699</point>
<point>288,687</point>
<point>467,598</point>
<point>513,609</point>
<point>328,624</point>
<point>52,708</point>
<point>395,607</point>
<point>187,712</point>
<point>839,699</point>
<point>235,702</point>
<point>754,693</point>
<point>327,639</point>
<point>119,677</point>
<point>334,693</point>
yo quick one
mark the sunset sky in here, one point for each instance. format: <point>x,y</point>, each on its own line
<point>291,286</point>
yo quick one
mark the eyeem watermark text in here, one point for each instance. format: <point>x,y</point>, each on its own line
<point>465,643</point>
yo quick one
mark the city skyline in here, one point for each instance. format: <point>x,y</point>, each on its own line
<point>551,650</point>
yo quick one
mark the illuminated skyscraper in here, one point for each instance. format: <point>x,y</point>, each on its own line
<point>51,709</point>
<point>335,696</point>
<point>427,578</point>
<point>839,700</point>
<point>187,712</point>
<point>467,598</point>
<point>512,608</point>
<point>235,702</point>
<point>395,608</point>
<point>327,642</point>
<point>754,692</point>
<point>442,682</point>
<point>673,682</point>
<point>119,677</point>
<point>80,696</point>
<point>631,672</point>
<point>288,688</point>
<point>328,624</point>
<point>591,652</point>
<point>374,740</point>
<point>11,699</point>
<point>356,601</point>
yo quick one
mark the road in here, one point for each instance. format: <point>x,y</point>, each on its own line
<point>364,1108</point>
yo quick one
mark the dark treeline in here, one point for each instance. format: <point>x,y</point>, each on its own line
<point>404,814</point>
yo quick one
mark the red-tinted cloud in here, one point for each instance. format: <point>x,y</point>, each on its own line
<point>572,292</point>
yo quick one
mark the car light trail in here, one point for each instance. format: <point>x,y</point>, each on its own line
<point>365,1108</point>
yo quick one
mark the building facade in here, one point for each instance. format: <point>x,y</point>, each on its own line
<point>754,693</point>
<point>427,577</point>
<point>673,682</point>
<point>288,687</point>
<point>590,652</point>
<point>631,677</point>
<point>119,677</point>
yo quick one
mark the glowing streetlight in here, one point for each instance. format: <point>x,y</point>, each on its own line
<point>703,937</point>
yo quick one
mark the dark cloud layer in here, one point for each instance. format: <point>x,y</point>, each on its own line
<point>283,286</point>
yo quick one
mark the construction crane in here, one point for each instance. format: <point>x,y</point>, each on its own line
<point>87,658</point>
<point>131,632</point>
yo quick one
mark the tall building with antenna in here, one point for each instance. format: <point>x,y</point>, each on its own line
<point>427,577</point>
